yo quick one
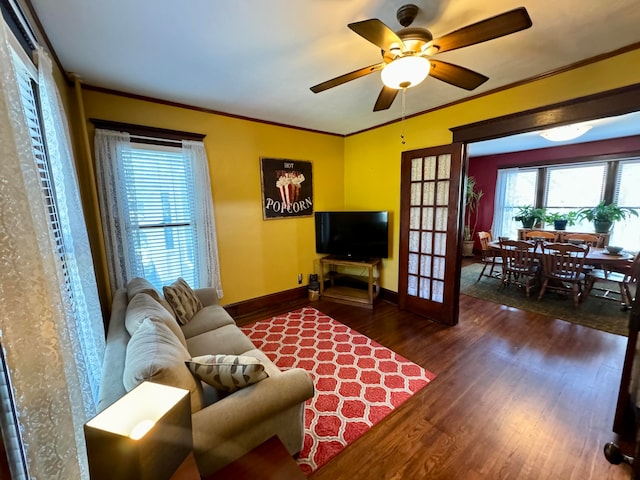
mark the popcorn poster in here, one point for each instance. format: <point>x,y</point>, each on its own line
<point>286,188</point>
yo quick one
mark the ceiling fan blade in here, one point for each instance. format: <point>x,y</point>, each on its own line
<point>456,75</point>
<point>385,99</point>
<point>347,77</point>
<point>494,27</point>
<point>377,33</point>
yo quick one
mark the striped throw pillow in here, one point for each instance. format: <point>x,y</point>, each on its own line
<point>227,372</point>
<point>183,300</point>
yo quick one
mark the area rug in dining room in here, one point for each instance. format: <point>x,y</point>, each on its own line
<point>593,313</point>
<point>358,382</point>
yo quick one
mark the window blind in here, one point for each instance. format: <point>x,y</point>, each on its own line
<point>160,194</point>
<point>28,94</point>
<point>575,186</point>
<point>626,194</point>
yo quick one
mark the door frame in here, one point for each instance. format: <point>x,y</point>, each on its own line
<point>610,103</point>
<point>605,104</point>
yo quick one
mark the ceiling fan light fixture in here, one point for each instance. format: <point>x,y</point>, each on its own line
<point>565,132</point>
<point>405,72</point>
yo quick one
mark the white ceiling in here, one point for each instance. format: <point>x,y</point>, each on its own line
<point>258,58</point>
<point>601,129</point>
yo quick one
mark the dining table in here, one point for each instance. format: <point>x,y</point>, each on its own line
<point>595,256</point>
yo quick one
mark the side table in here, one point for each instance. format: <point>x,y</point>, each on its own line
<point>188,470</point>
<point>360,297</point>
<point>268,461</point>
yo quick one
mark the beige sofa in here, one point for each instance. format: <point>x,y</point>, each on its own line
<point>225,425</point>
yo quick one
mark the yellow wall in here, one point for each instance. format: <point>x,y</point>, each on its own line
<point>257,257</point>
<point>372,159</point>
<point>361,171</point>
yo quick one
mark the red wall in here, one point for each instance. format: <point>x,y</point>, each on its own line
<point>485,168</point>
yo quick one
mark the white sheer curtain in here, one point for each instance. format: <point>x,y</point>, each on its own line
<point>120,236</point>
<point>87,327</point>
<point>122,239</point>
<point>43,321</point>
<point>209,271</point>
<point>502,206</point>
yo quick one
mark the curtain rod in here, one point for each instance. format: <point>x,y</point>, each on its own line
<point>149,133</point>
<point>154,140</point>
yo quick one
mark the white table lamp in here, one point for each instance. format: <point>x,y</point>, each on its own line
<point>145,435</point>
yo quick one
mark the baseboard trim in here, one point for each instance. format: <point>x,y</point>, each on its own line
<point>253,305</point>
<point>389,296</point>
<point>295,295</point>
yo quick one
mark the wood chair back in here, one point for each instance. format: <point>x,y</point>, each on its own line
<point>623,277</point>
<point>484,238</point>
<point>539,234</point>
<point>518,256</point>
<point>633,274</point>
<point>519,263</point>
<point>563,261</point>
<point>592,240</point>
<point>563,266</point>
<point>489,257</point>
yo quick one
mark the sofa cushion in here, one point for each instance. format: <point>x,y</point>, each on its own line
<point>142,285</point>
<point>154,353</point>
<point>209,318</point>
<point>227,340</point>
<point>183,300</point>
<point>144,306</point>
<point>227,372</point>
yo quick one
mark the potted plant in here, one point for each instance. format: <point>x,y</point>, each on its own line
<point>530,216</point>
<point>603,215</point>
<point>561,220</point>
<point>473,196</point>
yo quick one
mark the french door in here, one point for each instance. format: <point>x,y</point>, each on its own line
<point>431,232</point>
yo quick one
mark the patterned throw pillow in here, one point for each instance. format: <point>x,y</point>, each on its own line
<point>183,300</point>
<point>227,372</point>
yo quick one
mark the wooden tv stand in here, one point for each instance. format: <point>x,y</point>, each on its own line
<point>350,294</point>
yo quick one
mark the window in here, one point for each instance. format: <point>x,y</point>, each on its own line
<point>570,187</point>
<point>156,207</point>
<point>564,193</point>
<point>160,196</point>
<point>515,187</point>
<point>627,194</point>
<point>51,266</point>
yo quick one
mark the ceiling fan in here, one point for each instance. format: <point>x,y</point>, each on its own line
<point>406,54</point>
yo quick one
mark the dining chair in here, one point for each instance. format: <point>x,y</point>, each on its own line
<point>562,269</point>
<point>489,257</point>
<point>540,234</point>
<point>519,264</point>
<point>622,278</point>
<point>585,238</point>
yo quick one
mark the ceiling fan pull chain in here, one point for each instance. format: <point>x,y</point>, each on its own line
<point>402,141</point>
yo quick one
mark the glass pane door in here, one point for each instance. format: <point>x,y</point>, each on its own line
<point>430,228</point>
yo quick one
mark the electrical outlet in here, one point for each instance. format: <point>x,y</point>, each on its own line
<point>299,278</point>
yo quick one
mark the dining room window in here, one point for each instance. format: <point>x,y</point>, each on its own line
<point>515,187</point>
<point>569,187</point>
<point>627,194</point>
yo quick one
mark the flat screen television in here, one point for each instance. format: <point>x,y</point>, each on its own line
<point>356,235</point>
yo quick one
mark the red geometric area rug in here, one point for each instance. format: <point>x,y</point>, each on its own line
<point>358,381</point>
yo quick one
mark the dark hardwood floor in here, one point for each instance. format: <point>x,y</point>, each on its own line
<point>517,396</point>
